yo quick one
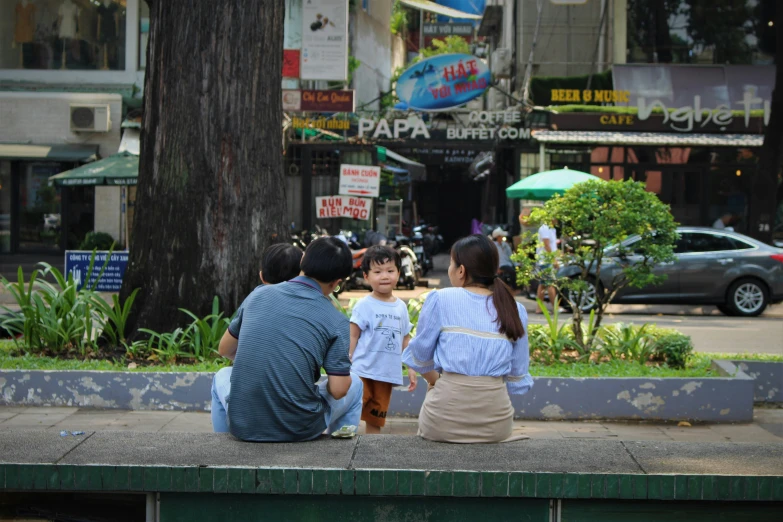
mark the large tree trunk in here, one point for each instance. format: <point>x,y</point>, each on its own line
<point>211,193</point>
<point>763,203</point>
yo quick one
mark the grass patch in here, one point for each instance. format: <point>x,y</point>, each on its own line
<point>697,368</point>
<point>764,357</point>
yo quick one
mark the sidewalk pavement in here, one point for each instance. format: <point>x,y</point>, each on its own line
<point>767,425</point>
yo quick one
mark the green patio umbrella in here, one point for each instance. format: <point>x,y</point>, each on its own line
<point>544,185</point>
<point>118,169</point>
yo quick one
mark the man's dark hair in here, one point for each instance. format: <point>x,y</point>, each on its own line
<point>280,262</point>
<point>379,255</point>
<point>327,259</point>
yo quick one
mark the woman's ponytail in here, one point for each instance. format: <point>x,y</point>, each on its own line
<point>508,319</point>
<point>480,258</point>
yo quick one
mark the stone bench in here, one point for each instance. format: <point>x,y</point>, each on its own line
<point>198,476</point>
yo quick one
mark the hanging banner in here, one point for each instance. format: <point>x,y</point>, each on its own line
<point>325,40</point>
<point>360,180</point>
<point>291,58</point>
<point>443,82</point>
<point>343,207</point>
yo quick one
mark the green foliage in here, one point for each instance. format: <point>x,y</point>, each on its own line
<point>612,109</point>
<point>552,339</point>
<point>673,347</point>
<point>97,241</point>
<point>399,18</point>
<point>115,315</point>
<point>625,341</point>
<point>614,226</point>
<point>54,317</point>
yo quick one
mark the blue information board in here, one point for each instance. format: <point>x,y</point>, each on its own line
<point>77,263</point>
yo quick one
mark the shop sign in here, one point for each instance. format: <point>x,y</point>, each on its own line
<point>343,207</point>
<point>325,40</point>
<point>443,82</point>
<point>295,100</point>
<point>291,59</point>
<point>77,264</point>
<point>589,96</point>
<point>360,180</point>
<point>447,29</point>
<point>292,100</point>
<point>683,119</point>
<point>327,101</point>
<point>502,125</point>
<point>331,124</point>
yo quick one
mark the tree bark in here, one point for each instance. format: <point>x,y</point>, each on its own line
<point>763,204</point>
<point>211,193</point>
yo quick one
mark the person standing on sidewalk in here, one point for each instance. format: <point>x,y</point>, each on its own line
<point>283,336</point>
<point>380,331</point>
<point>545,265</point>
<point>471,346</point>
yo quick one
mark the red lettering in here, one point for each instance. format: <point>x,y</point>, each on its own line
<point>449,71</point>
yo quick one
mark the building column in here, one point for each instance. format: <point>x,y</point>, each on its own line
<point>619,31</point>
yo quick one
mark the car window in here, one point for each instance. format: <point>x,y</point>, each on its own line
<point>695,242</point>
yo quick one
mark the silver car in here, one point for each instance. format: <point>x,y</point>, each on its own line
<point>737,273</point>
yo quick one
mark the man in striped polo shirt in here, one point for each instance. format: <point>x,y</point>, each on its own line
<point>279,341</point>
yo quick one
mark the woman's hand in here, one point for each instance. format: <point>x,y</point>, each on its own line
<point>412,379</point>
<point>431,377</point>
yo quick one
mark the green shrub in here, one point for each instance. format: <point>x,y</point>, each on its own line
<point>673,347</point>
<point>97,241</point>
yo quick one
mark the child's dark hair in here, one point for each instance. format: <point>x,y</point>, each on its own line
<point>378,255</point>
<point>480,258</point>
<point>280,262</point>
<point>327,259</point>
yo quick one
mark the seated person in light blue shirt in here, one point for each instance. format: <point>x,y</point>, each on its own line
<point>471,346</point>
<point>279,340</point>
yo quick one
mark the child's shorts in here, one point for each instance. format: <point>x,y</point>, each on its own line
<point>375,401</point>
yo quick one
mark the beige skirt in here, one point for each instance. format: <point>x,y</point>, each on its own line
<point>463,409</point>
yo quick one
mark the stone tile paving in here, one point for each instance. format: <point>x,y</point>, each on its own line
<point>768,425</point>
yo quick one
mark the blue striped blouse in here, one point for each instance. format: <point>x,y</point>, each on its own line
<point>457,333</point>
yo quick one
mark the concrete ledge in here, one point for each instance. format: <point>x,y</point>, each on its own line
<point>721,399</point>
<point>389,465</point>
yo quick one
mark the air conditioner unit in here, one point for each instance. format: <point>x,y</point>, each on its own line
<point>90,117</point>
<point>501,63</point>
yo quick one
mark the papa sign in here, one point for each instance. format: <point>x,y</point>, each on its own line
<point>443,82</point>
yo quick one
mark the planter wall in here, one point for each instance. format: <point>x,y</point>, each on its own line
<point>768,379</point>
<point>724,399</point>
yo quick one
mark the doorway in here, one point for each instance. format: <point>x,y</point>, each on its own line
<point>450,202</point>
<point>39,218</point>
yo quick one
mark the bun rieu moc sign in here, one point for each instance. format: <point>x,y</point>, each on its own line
<point>443,82</point>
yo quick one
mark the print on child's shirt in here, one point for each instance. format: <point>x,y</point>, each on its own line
<point>390,327</point>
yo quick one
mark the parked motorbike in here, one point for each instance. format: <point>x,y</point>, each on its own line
<point>423,256</point>
<point>410,269</point>
<point>433,241</point>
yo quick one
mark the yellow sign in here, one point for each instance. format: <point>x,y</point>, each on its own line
<point>320,123</point>
<point>617,119</point>
<point>590,95</point>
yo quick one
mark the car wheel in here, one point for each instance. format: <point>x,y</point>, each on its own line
<point>589,298</point>
<point>747,298</point>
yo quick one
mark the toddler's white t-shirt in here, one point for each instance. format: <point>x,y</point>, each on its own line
<point>378,353</point>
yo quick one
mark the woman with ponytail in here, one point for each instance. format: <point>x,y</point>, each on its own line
<point>471,347</point>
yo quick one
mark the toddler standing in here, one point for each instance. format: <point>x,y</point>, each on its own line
<point>380,331</point>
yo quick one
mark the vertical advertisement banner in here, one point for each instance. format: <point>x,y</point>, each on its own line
<point>324,40</point>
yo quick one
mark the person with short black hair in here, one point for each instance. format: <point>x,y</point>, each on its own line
<point>380,331</point>
<point>283,336</point>
<point>280,262</point>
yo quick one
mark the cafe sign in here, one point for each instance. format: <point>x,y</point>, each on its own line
<point>308,100</point>
<point>443,82</point>
<point>483,125</point>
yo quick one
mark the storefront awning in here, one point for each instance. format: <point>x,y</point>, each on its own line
<point>118,169</point>
<point>432,7</point>
<point>649,138</point>
<point>417,171</point>
<point>73,153</point>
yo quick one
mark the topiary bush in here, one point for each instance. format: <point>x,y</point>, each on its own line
<point>97,241</point>
<point>673,347</point>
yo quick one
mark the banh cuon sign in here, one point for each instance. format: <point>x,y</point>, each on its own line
<point>443,82</point>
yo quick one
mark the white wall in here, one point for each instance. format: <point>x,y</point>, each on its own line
<point>372,46</point>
